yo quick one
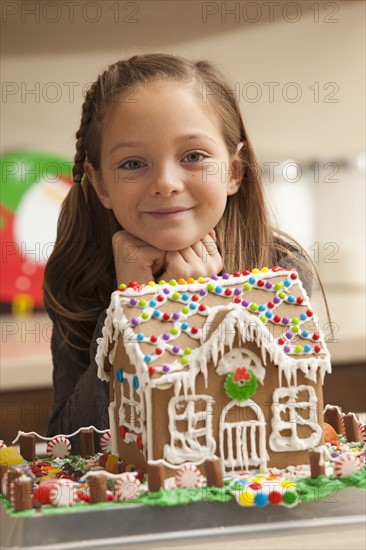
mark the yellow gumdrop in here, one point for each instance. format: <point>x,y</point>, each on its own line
<point>201,279</point>
<point>264,269</point>
<point>257,479</point>
<point>246,499</point>
<point>255,270</point>
<point>288,484</point>
<point>151,283</point>
<point>10,456</point>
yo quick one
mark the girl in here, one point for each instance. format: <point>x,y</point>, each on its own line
<point>166,185</point>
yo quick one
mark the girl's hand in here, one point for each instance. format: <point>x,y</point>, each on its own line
<point>134,259</point>
<point>202,259</point>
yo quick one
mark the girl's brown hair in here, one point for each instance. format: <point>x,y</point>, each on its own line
<point>80,274</point>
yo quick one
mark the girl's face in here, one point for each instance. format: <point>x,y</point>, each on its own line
<point>165,169</point>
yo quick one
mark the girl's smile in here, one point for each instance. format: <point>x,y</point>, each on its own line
<point>165,168</point>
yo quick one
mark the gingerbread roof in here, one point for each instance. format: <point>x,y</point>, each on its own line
<point>173,329</point>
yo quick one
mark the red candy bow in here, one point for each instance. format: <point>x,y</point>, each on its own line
<point>241,373</point>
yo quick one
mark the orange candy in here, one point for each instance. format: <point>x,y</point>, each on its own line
<point>329,433</point>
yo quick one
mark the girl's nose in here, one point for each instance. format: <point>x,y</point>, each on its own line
<point>166,180</point>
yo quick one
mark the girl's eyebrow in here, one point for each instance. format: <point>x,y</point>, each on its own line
<point>179,138</point>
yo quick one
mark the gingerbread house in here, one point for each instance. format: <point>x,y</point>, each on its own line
<point>230,366</point>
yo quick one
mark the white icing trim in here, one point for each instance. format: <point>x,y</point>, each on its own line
<point>278,442</point>
<point>113,427</point>
<point>242,459</point>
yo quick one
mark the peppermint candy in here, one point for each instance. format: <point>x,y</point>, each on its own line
<point>126,487</point>
<point>58,447</point>
<point>63,493</point>
<point>106,442</point>
<point>2,444</point>
<point>347,465</point>
<point>188,476</point>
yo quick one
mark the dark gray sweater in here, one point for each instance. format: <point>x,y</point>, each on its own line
<point>80,398</point>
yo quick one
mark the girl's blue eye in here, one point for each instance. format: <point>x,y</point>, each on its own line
<point>135,161</point>
<point>197,153</point>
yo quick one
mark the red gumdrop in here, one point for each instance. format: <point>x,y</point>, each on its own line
<point>275,497</point>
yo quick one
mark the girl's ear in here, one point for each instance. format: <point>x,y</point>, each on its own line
<point>96,180</point>
<point>236,171</point>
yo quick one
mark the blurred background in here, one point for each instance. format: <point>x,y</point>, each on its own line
<point>298,69</point>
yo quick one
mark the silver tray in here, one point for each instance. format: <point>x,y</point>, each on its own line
<point>120,527</point>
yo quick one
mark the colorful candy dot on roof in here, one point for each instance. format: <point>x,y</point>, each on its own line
<point>255,270</point>
<point>269,314</point>
<point>140,336</point>
<point>315,336</point>
<point>166,336</point>
<point>287,283</point>
<point>270,305</point>
<point>237,300</point>
<point>185,296</point>
<point>262,307</point>
<point>122,286</point>
<point>135,382</point>
<point>153,338</point>
<point>293,276</point>
<point>175,349</point>
<point>317,349</point>
<point>172,282</point>
<point>174,331</point>
<point>277,318</point>
<point>215,277</point>
<point>245,303</point>
<point>184,360</point>
<point>225,276</point>
<point>295,321</point>
<point>228,292</point>
<point>276,300</point>
<point>151,283</point>
<point>237,291</point>
<point>302,316</point>
<point>236,274</point>
<point>287,349</point>
<point>194,330</point>
<point>252,280</point>
<point>263,318</point>
<point>176,296</point>
<point>185,310</point>
<point>260,283</point>
<point>147,358</point>
<point>166,316</point>
<point>133,302</point>
<point>152,303</point>
<point>162,282</point>
<point>278,286</point>
<point>246,272</point>
<point>187,351</point>
<point>166,290</point>
<point>247,286</point>
<point>202,292</point>
<point>291,299</point>
<point>192,306</point>
<point>295,328</point>
<point>185,326</point>
<point>264,269</point>
<point>158,351</point>
<point>160,298</point>
<point>309,313</point>
<point>151,370</point>
<point>195,298</point>
<point>304,333</point>
<point>269,285</point>
<point>298,349</point>
<point>285,320</point>
<point>182,281</point>
<point>176,316</point>
<point>135,321</point>
<point>166,368</point>
<point>289,334</point>
<point>119,375</point>
<point>145,315</point>
<point>281,341</point>
<point>218,289</point>
<point>253,306</point>
<point>299,300</point>
<point>203,307</point>
<point>210,287</point>
<point>282,295</point>
<point>156,313</point>
<point>307,348</point>
<point>190,280</point>
<point>201,280</point>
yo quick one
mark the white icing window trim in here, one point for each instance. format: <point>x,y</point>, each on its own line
<point>293,442</point>
<point>241,357</point>
<point>136,417</point>
<point>191,450</point>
